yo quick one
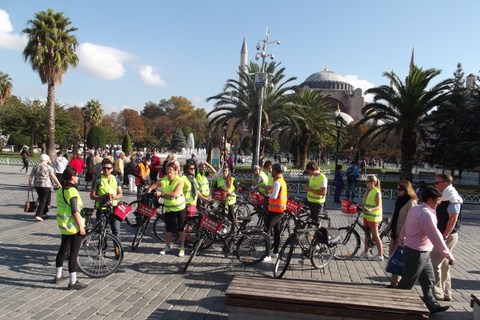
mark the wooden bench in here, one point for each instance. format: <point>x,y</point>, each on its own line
<point>268,298</point>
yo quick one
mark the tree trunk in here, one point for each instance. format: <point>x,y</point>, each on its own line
<point>51,121</point>
<point>303,146</point>
<point>408,148</point>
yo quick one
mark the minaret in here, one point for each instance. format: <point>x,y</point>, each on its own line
<point>243,59</point>
<point>412,59</point>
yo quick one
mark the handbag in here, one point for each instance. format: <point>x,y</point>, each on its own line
<point>395,263</point>
<point>30,206</point>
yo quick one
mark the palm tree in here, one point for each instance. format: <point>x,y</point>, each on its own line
<point>96,112</point>
<point>51,51</point>
<point>403,108</point>
<point>238,103</point>
<point>5,87</point>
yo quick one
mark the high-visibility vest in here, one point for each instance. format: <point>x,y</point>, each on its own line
<point>65,220</point>
<point>230,199</point>
<point>105,186</point>
<point>172,203</point>
<point>203,184</point>
<point>261,185</point>
<point>142,169</point>
<point>316,183</point>
<point>373,216</point>
<point>279,204</point>
<point>190,198</point>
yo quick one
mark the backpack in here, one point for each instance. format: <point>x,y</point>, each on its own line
<point>131,168</point>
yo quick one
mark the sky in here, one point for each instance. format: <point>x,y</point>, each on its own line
<point>133,52</point>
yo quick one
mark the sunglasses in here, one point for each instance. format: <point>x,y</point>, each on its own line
<point>107,168</point>
<point>191,168</point>
<point>438,182</point>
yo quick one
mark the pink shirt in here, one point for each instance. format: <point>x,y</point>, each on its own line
<point>420,231</point>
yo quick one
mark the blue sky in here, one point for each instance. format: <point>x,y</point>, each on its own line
<point>132,52</point>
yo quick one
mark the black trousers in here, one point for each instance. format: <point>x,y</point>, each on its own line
<point>72,242</point>
<point>44,194</point>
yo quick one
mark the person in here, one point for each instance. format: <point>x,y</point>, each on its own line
<point>119,167</point>
<point>117,153</point>
<point>227,182</point>
<point>230,163</point>
<point>142,176</point>
<point>174,201</point>
<point>260,180</point>
<point>131,169</point>
<point>97,164</point>
<point>338,183</point>
<point>352,175</point>
<point>277,204</point>
<point>72,228</point>
<point>107,191</point>
<point>42,173</point>
<point>155,166</point>
<point>77,163</point>
<point>89,169</point>
<point>267,169</point>
<point>25,154</point>
<point>407,198</point>
<point>59,165</point>
<point>163,172</point>
<point>126,160</point>
<point>449,216</point>
<point>316,191</point>
<point>191,190</point>
<point>202,180</point>
<point>418,237</point>
<point>194,160</point>
<point>372,215</point>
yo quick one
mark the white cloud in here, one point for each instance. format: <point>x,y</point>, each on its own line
<point>198,99</point>
<point>150,77</point>
<point>102,62</point>
<point>362,84</point>
<point>7,39</point>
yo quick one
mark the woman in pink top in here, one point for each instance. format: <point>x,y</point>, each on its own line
<point>77,163</point>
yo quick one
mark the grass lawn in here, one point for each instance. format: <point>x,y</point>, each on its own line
<point>16,155</point>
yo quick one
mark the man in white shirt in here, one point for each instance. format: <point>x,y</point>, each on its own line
<point>59,165</point>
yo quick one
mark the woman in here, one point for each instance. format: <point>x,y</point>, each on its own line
<point>174,201</point>
<point>77,163</point>
<point>42,173</point>
<point>405,201</point>
<point>228,183</point>
<point>338,183</point>
<point>191,190</point>
<point>163,172</point>
<point>72,228</point>
<point>25,154</point>
<point>372,215</point>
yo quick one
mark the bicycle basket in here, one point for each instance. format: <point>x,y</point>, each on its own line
<point>146,211</point>
<point>349,207</point>
<point>256,198</point>
<point>210,224</point>
<point>219,195</point>
<point>121,211</point>
<point>293,207</point>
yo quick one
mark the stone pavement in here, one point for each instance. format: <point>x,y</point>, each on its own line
<point>150,286</point>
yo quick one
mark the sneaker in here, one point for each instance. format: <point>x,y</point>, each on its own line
<point>363,255</point>
<point>377,258</point>
<point>267,259</point>
<point>166,251</point>
<point>38,218</point>
<point>77,286</point>
<point>58,280</point>
<point>274,255</point>
<point>181,253</point>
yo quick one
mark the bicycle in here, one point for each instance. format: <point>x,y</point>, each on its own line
<point>250,245</point>
<point>350,243</point>
<point>312,242</point>
<point>101,253</point>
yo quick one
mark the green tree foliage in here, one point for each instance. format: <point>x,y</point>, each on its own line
<point>19,140</point>
<point>127,143</point>
<point>178,140</point>
<point>50,50</point>
<point>5,87</point>
<point>95,112</point>
<point>96,138</point>
<point>272,146</point>
<point>247,143</point>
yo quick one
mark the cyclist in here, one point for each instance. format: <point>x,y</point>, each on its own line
<point>267,169</point>
<point>107,191</point>
<point>372,215</point>
<point>142,176</point>
<point>191,189</point>
<point>316,191</point>
<point>260,180</point>
<point>227,182</point>
<point>202,180</point>
<point>277,204</point>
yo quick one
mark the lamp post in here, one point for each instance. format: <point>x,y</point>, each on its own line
<point>224,128</point>
<point>261,82</point>
<point>86,115</point>
<point>339,122</point>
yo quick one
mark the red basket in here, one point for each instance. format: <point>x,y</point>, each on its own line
<point>240,189</point>
<point>349,207</point>
<point>293,207</point>
<point>146,211</point>
<point>121,211</point>
<point>219,195</point>
<point>210,224</point>
<point>257,199</point>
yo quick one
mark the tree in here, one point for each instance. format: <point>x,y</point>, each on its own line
<point>127,143</point>
<point>96,112</point>
<point>50,50</point>
<point>133,124</point>
<point>272,146</point>
<point>5,87</point>
<point>178,140</point>
<point>247,143</point>
<point>402,108</point>
<point>96,137</point>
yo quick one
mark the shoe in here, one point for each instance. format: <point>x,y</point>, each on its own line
<point>166,251</point>
<point>45,216</point>
<point>77,286</point>
<point>439,308</point>
<point>391,286</point>
<point>38,218</point>
<point>447,298</point>
<point>377,258</point>
<point>363,255</point>
<point>274,255</point>
<point>58,280</point>
<point>181,253</point>
<point>267,259</point>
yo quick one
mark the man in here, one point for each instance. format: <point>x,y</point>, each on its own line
<point>316,191</point>
<point>142,176</point>
<point>449,215</point>
<point>154,167</point>
<point>418,237</point>
<point>97,164</point>
<point>59,165</point>
<point>260,180</point>
<point>352,175</point>
<point>277,204</point>
<point>202,180</point>
<point>194,160</point>
<point>106,191</point>
<point>267,169</point>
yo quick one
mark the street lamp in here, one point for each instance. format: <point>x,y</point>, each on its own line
<point>261,82</point>
<point>86,115</point>
<point>339,122</point>
<point>224,128</point>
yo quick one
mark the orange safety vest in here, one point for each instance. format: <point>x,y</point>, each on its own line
<point>280,204</point>
<point>142,169</point>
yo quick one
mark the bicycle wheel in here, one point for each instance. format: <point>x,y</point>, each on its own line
<point>133,218</point>
<point>100,255</point>
<point>284,258</point>
<point>385,240</point>
<point>196,247</point>
<point>322,254</point>
<point>349,245</point>
<point>159,227</point>
<point>243,210</point>
<point>193,230</point>
<point>253,247</point>
<point>140,233</point>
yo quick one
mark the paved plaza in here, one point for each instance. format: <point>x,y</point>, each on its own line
<point>150,286</point>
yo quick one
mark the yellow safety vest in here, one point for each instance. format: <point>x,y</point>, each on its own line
<point>316,183</point>
<point>172,203</point>
<point>190,198</point>
<point>280,204</point>
<point>373,216</point>
<point>65,220</point>
<point>230,200</point>
<point>263,184</point>
<point>106,186</point>
<point>203,184</point>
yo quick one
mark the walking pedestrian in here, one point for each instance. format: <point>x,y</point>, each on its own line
<point>25,155</point>
<point>59,165</point>
<point>352,175</point>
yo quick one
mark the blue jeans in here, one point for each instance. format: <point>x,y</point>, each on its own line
<point>350,193</point>
<point>114,223</point>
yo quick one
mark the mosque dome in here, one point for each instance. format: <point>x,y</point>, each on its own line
<point>327,80</point>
